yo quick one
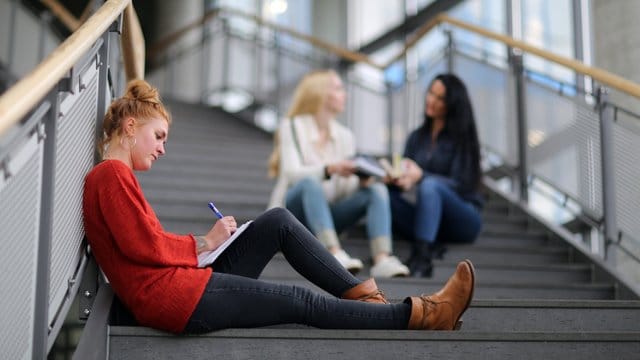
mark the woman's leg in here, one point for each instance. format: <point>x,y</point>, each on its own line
<point>372,202</point>
<point>235,301</point>
<point>246,302</point>
<point>443,215</point>
<point>306,200</point>
<point>278,230</point>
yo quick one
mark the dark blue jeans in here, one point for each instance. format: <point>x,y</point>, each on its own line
<point>439,214</point>
<point>235,298</point>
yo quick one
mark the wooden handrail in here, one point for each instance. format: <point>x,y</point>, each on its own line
<point>170,39</point>
<point>600,75</point>
<point>604,77</point>
<point>17,101</point>
<point>337,50</point>
<point>353,56</point>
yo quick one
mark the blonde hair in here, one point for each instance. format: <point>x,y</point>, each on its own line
<point>308,98</point>
<point>140,101</point>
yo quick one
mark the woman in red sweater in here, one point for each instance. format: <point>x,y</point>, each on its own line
<point>156,273</point>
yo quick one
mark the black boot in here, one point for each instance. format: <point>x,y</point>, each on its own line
<point>420,263</point>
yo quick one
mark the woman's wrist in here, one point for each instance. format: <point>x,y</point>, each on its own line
<point>201,243</point>
<point>327,172</point>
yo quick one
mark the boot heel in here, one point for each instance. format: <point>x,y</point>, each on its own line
<point>458,326</point>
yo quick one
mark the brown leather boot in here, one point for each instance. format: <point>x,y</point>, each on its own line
<point>366,291</point>
<point>442,310</point>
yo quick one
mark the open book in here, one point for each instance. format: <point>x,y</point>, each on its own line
<point>366,166</point>
<point>208,257</point>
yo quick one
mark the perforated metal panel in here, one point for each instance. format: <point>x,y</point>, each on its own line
<point>75,133</point>
<point>19,227</point>
<point>368,117</point>
<point>488,89</point>
<point>627,174</point>
<point>564,145</point>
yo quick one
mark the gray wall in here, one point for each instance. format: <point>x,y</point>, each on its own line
<point>616,41</point>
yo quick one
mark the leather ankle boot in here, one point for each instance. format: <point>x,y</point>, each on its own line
<point>420,264</point>
<point>442,310</point>
<point>366,291</point>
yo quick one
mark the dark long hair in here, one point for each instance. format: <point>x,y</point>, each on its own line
<point>459,124</point>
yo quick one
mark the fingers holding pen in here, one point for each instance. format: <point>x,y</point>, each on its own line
<point>229,224</point>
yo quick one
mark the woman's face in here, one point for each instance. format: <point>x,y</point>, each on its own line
<point>149,146</point>
<point>435,106</point>
<point>336,95</point>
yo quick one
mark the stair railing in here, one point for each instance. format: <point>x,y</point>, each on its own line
<point>49,121</point>
<point>577,152</point>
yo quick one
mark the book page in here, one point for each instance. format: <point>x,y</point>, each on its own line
<point>368,167</point>
<point>208,257</point>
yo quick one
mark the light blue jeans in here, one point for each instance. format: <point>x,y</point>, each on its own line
<point>306,200</point>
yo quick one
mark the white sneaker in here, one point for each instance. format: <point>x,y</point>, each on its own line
<point>353,265</point>
<point>389,267</point>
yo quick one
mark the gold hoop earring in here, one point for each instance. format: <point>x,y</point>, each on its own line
<point>135,141</point>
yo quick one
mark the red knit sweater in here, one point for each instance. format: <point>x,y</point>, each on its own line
<point>153,272</point>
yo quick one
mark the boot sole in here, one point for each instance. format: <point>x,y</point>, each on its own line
<point>458,322</point>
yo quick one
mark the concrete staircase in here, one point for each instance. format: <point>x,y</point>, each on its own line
<point>536,296</point>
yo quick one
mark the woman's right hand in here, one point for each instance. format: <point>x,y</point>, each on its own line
<point>220,232</point>
<point>342,168</point>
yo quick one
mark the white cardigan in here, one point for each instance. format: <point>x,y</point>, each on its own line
<point>294,168</point>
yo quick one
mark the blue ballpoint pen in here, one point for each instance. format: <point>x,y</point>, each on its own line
<point>215,210</point>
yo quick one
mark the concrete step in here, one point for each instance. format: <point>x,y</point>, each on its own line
<point>478,253</point>
<point>552,315</point>
<point>399,288</point>
<point>295,343</point>
<point>547,274</point>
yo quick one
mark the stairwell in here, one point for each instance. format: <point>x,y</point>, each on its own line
<point>536,295</point>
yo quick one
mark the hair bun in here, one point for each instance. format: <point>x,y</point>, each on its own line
<point>142,91</point>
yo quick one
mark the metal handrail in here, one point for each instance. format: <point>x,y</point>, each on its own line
<point>604,77</point>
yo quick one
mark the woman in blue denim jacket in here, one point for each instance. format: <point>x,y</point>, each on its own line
<point>442,166</point>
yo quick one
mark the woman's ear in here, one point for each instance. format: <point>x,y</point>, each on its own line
<point>129,126</point>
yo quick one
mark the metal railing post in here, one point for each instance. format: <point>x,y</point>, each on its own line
<point>225,59</point>
<point>521,118</point>
<point>390,132</point>
<point>205,59</point>
<point>449,51</point>
<point>278,71</point>
<point>606,115</point>
<point>41,326</point>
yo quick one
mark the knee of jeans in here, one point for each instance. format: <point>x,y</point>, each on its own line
<point>430,185</point>
<point>277,215</point>
<point>310,184</point>
<point>380,191</point>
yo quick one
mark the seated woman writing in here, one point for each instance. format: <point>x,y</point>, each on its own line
<point>156,275</point>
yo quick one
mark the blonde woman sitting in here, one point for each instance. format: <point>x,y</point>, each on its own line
<point>317,181</point>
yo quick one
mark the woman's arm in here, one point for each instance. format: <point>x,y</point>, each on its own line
<point>134,227</point>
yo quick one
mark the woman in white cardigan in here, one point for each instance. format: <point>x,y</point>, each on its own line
<point>316,176</point>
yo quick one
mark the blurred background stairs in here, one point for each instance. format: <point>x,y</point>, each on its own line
<point>536,295</point>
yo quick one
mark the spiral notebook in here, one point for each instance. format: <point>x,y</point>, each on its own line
<point>208,257</point>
